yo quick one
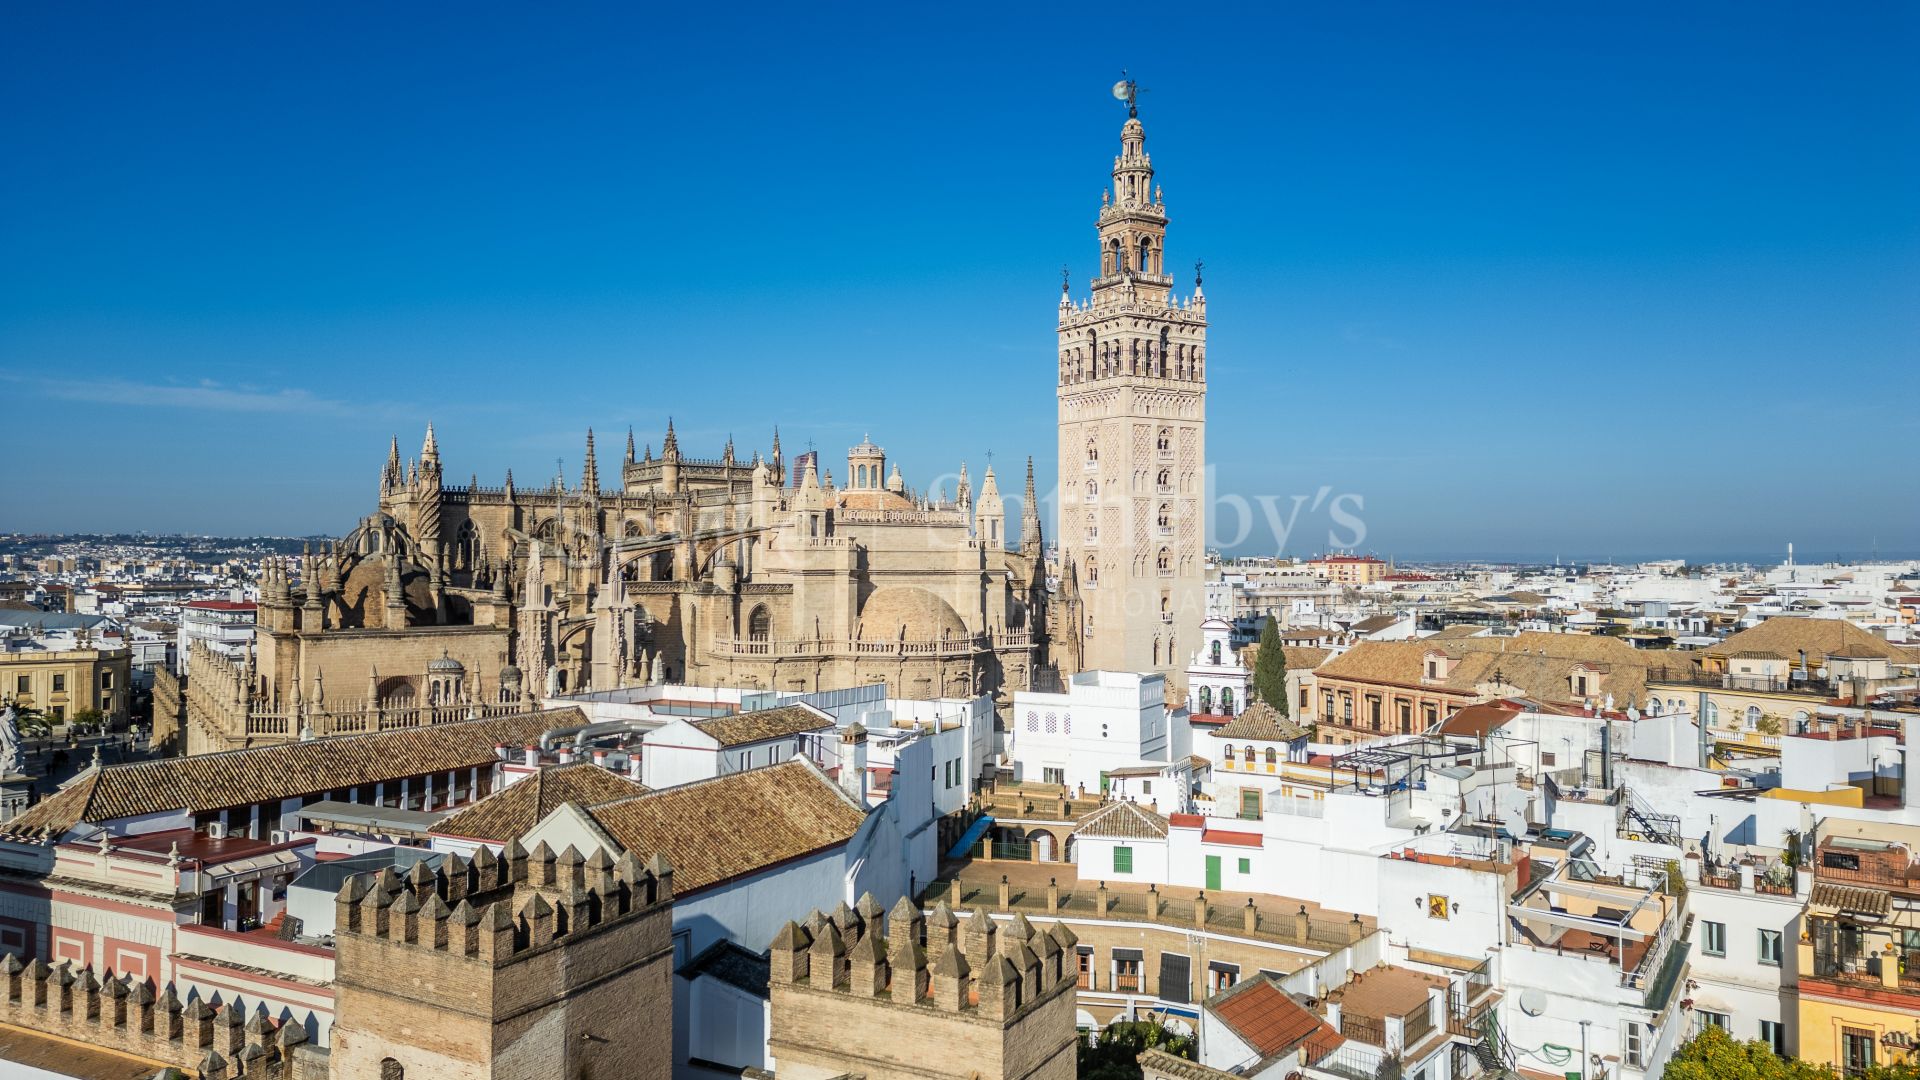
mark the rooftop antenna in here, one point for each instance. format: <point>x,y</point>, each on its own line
<point>1128,91</point>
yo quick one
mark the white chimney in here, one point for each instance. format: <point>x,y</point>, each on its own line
<point>532,755</point>
<point>853,761</point>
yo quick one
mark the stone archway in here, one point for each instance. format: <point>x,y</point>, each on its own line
<point>1043,846</point>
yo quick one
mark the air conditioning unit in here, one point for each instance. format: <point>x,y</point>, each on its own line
<point>280,836</point>
<point>217,830</point>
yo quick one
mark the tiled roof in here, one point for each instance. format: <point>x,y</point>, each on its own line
<point>1268,1020</point>
<point>1232,839</point>
<point>1123,821</point>
<point>1787,636</point>
<point>716,830</point>
<point>760,726</point>
<point>1539,665</point>
<point>518,807</point>
<point>1475,721</point>
<point>1157,1063</point>
<point>1261,721</point>
<point>267,773</point>
<point>1302,657</point>
<point>1860,901</point>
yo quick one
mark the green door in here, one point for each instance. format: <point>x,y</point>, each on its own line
<point>1213,872</point>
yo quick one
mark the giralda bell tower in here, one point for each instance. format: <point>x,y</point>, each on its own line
<point>1133,421</point>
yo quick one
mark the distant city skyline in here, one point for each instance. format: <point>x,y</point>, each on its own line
<point>1522,282</point>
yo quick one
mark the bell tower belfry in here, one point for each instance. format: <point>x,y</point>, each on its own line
<point>1133,395</point>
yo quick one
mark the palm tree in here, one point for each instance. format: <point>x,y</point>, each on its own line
<point>31,721</point>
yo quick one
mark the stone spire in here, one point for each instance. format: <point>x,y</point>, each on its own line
<point>629,444</point>
<point>430,449</point>
<point>1030,516</point>
<point>390,476</point>
<point>671,447</point>
<point>990,525</point>
<point>590,473</point>
<point>964,497</point>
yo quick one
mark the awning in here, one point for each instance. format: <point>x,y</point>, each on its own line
<point>1849,899</point>
<point>1127,954</point>
<point>971,837</point>
<point>252,866</point>
<point>371,817</point>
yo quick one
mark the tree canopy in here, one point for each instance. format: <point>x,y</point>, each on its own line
<point>1270,668</point>
<point>1115,1053</point>
<point>1715,1055</point>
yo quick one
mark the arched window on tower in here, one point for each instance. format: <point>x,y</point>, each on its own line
<point>760,624</point>
<point>1093,450</point>
<point>1146,256</point>
<point>1214,653</point>
<point>1093,572</point>
<point>1093,490</point>
<point>1165,518</point>
<point>1206,699</point>
<point>392,1070</point>
<point>1165,481</point>
<point>1165,561</point>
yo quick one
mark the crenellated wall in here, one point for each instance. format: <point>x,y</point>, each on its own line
<point>526,964</point>
<point>897,996</point>
<point>126,1017</point>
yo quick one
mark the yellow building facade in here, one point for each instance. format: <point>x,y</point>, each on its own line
<point>63,682</point>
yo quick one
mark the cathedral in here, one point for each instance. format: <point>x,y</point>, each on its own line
<point>452,601</point>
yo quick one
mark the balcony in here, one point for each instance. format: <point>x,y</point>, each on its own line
<point>1794,683</point>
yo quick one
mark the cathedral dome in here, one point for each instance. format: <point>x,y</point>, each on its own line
<point>874,500</point>
<point>446,665</point>
<point>363,593</point>
<point>897,612</point>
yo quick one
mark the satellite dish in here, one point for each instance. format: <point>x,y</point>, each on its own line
<point>1532,1002</point>
<point>1122,90</point>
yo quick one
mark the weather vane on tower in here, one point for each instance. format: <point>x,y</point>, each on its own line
<point>1128,91</point>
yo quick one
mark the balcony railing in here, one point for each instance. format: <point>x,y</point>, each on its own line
<point>1126,984</point>
<point>1769,684</point>
<point>1867,873</point>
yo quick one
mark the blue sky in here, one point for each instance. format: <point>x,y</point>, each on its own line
<point>1583,280</point>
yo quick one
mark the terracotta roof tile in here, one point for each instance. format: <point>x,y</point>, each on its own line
<point>518,807</point>
<point>1787,636</point>
<point>1123,821</point>
<point>1261,721</point>
<point>763,725</point>
<point>282,771</point>
<point>716,830</point>
<point>1269,1021</point>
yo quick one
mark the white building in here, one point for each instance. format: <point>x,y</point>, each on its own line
<point>1106,720</point>
<point>685,750</point>
<point>1216,680</point>
<point>225,626</point>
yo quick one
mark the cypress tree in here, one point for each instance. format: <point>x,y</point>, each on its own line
<point>1270,669</point>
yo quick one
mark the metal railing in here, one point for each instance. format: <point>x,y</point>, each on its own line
<point>1773,684</point>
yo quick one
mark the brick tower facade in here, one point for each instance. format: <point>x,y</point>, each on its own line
<point>1133,411</point>
<point>899,998</point>
<point>523,965</point>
